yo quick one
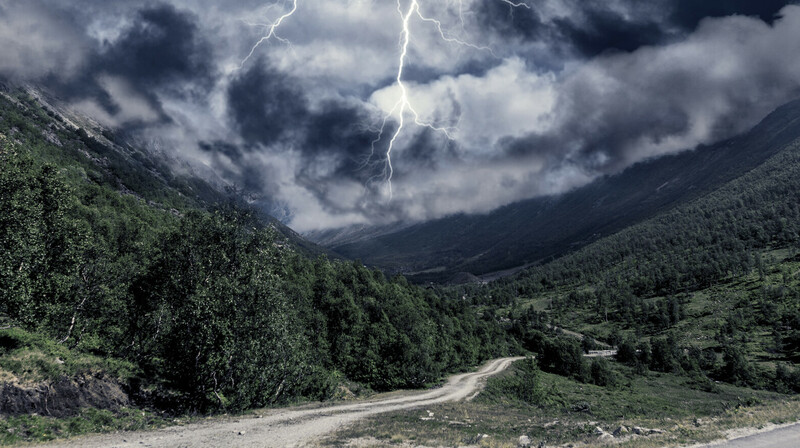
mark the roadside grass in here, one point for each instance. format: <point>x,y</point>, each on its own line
<point>28,358</point>
<point>569,413</point>
<point>36,428</point>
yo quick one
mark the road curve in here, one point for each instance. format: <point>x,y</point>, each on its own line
<point>291,427</point>
<point>783,437</point>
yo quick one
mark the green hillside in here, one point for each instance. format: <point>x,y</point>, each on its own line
<point>711,287</point>
<point>702,303</point>
<point>105,255</point>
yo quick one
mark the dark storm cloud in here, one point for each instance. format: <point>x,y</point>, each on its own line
<point>622,108</point>
<point>688,13</point>
<point>508,21</point>
<point>429,148</point>
<point>162,47</point>
<point>269,108</point>
<point>161,52</point>
<point>602,140</point>
<point>604,30</point>
<point>571,89</point>
<point>341,129</point>
<point>266,105</point>
<point>594,27</point>
<point>233,164</point>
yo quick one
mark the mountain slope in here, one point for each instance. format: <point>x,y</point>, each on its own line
<point>536,230</point>
<point>709,288</point>
<point>117,161</point>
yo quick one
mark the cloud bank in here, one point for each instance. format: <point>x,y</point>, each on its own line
<point>520,101</point>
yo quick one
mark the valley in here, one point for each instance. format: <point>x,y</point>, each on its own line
<point>600,250</point>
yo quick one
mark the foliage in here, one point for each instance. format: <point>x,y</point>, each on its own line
<point>25,428</point>
<point>523,384</point>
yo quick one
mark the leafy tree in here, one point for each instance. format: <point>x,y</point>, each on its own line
<point>601,373</point>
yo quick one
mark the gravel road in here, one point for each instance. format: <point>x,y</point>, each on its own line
<point>291,427</point>
<point>784,437</point>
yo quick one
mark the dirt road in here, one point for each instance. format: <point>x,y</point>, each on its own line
<point>291,427</point>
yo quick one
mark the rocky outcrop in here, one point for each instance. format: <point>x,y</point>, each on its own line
<point>602,434</point>
<point>62,398</point>
<point>638,430</point>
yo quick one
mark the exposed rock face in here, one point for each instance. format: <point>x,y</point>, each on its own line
<point>524,442</point>
<point>62,398</point>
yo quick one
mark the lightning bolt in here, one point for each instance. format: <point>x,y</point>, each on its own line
<point>271,32</point>
<point>403,106</point>
<point>516,5</point>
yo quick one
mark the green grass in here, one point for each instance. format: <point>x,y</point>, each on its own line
<point>27,357</point>
<point>34,428</point>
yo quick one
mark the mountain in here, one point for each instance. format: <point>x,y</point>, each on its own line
<point>121,161</point>
<point>541,229</point>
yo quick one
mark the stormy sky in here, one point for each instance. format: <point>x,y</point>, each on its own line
<point>497,100</point>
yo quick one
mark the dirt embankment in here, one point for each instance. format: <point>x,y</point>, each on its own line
<point>64,397</point>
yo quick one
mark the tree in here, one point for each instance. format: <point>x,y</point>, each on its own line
<point>212,305</point>
<point>736,369</point>
<point>601,373</point>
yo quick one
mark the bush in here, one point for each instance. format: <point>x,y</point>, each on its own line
<point>601,373</point>
<point>626,352</point>
<point>523,384</point>
<point>736,369</point>
<point>563,356</point>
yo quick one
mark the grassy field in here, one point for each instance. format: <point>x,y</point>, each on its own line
<point>569,412</point>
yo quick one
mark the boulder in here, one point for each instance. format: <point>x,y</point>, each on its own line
<point>602,434</point>
<point>622,430</point>
<point>646,431</point>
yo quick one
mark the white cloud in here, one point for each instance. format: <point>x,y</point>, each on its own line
<point>36,42</point>
<point>508,101</point>
<point>132,107</point>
